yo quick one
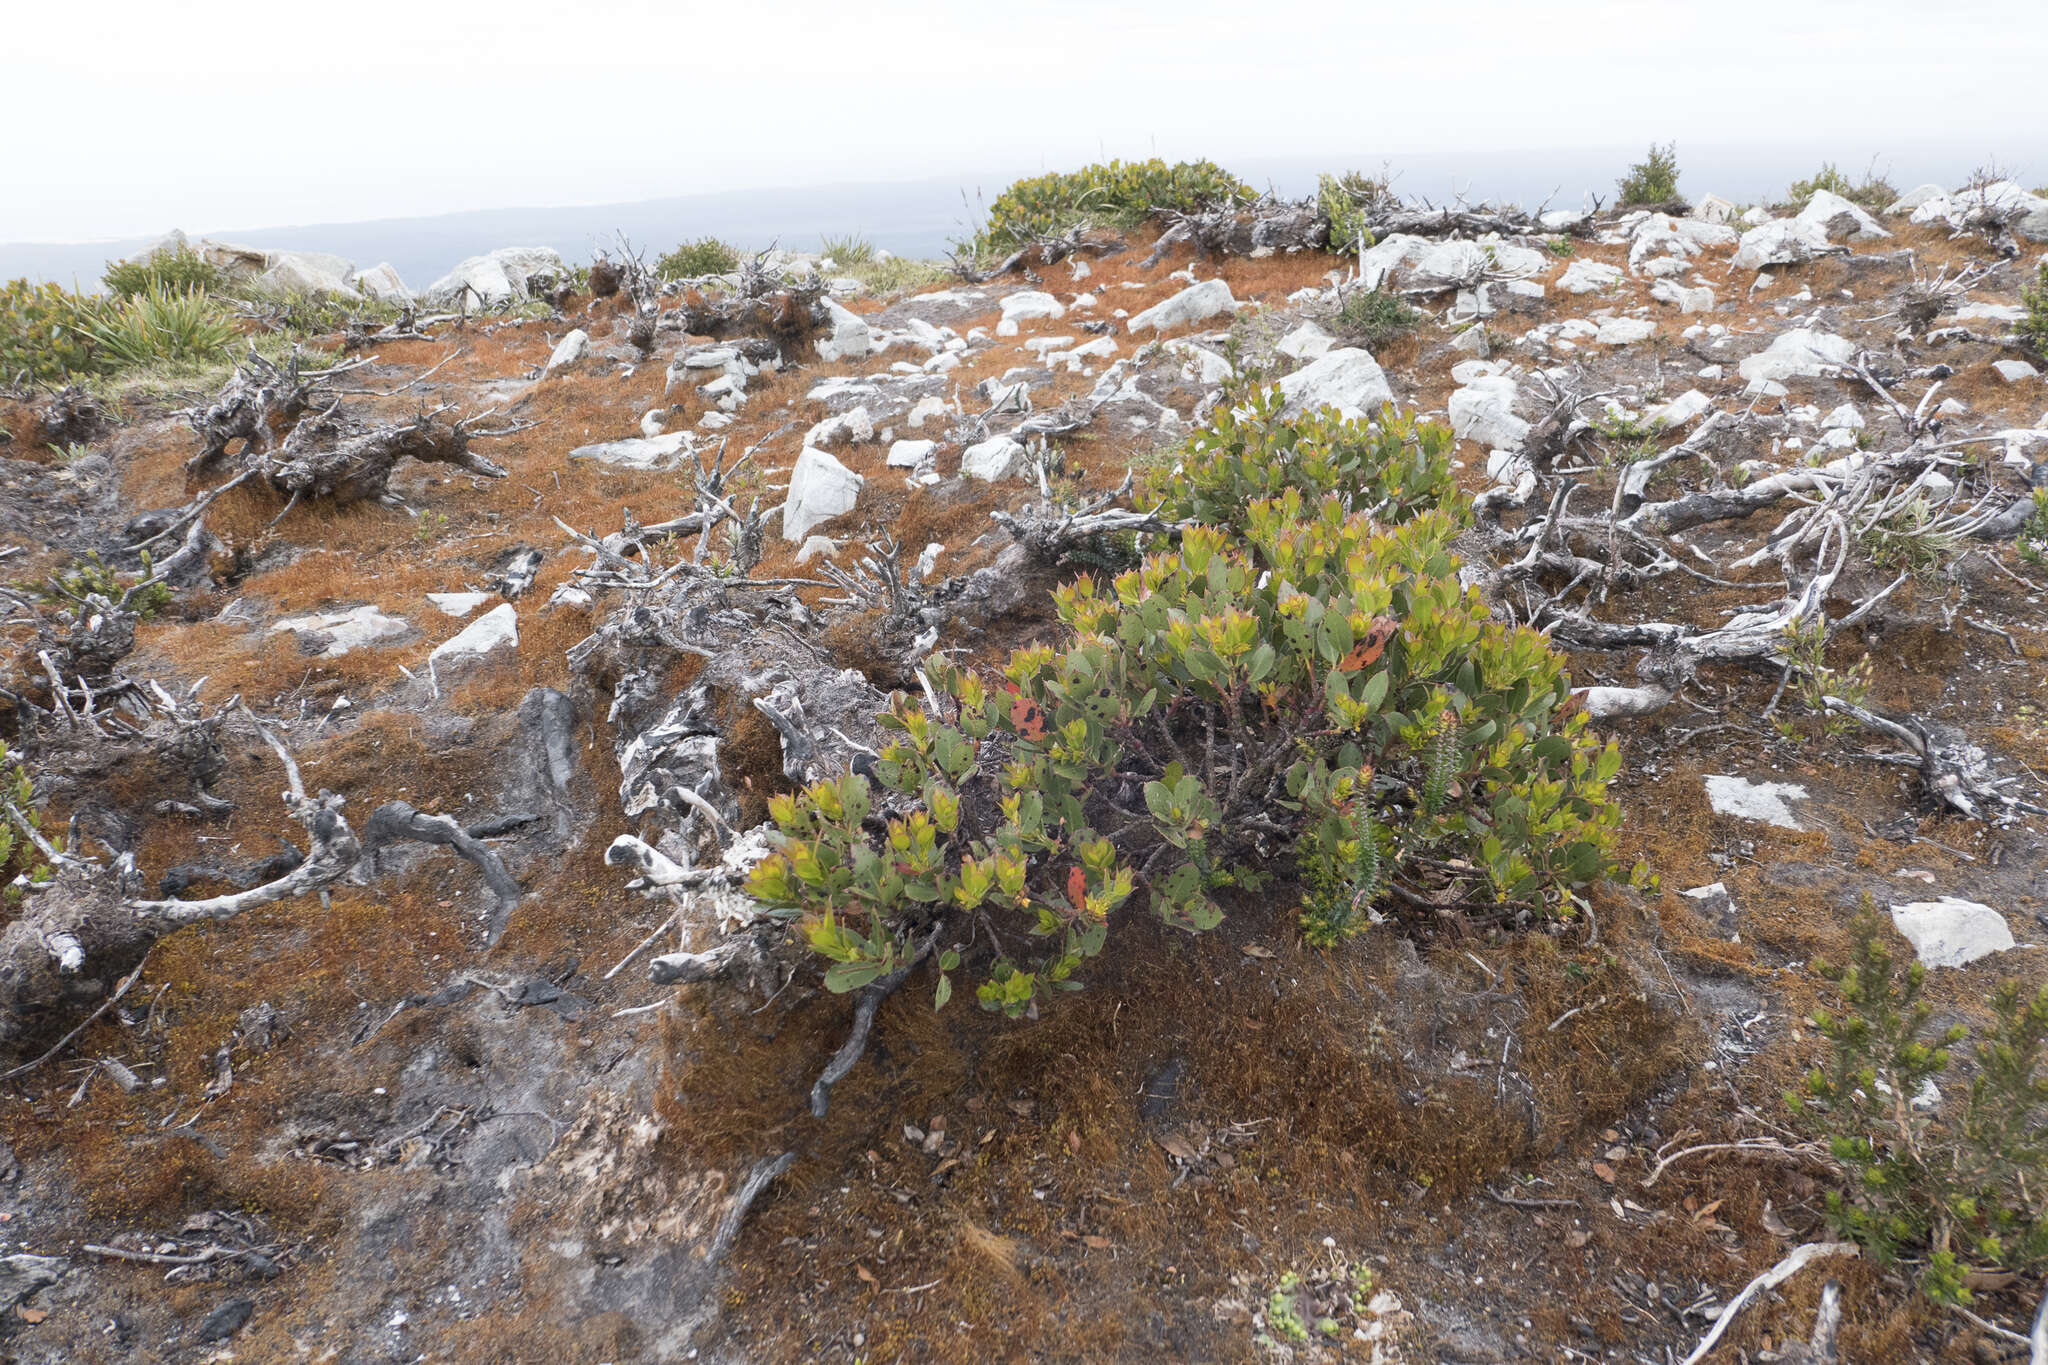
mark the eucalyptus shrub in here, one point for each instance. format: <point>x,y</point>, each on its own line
<point>1298,688</point>
<point>44,332</point>
<point>1117,193</point>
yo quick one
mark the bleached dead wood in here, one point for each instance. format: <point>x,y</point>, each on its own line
<point>1796,1261</point>
<point>1955,771</point>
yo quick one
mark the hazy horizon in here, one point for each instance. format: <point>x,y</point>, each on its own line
<point>923,215</point>
<point>261,117</point>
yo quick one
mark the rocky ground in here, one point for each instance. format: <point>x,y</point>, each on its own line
<point>676,551</point>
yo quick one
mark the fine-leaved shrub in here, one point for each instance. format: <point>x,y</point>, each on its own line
<point>19,856</point>
<point>43,332</point>
<point>691,260</point>
<point>2032,329</point>
<point>179,270</point>
<point>1373,316</point>
<point>1654,179</point>
<point>1944,1192</point>
<point>1349,201</point>
<point>1299,687</point>
<point>1116,193</point>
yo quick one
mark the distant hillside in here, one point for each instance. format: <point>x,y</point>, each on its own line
<point>917,218</point>
<point>923,217</point>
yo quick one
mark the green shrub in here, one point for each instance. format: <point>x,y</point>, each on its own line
<point>2032,330</point>
<point>1118,194</point>
<point>180,271</point>
<point>43,332</point>
<point>1380,736</point>
<point>301,314</point>
<point>93,575</point>
<point>1969,1191</point>
<point>1349,201</point>
<point>18,853</point>
<point>1373,316</point>
<point>692,260</point>
<point>1814,681</point>
<point>1875,193</point>
<point>1654,179</point>
<point>1394,469</point>
<point>160,324</point>
<point>2033,538</point>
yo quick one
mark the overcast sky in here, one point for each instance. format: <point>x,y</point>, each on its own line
<point>130,116</point>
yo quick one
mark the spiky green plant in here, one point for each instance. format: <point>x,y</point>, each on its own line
<point>161,324</point>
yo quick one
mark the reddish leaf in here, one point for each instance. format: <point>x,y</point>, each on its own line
<point>1029,718</point>
<point>1077,888</point>
<point>1367,651</point>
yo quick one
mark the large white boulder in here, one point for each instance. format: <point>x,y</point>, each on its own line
<point>820,488</point>
<point>308,272</point>
<point>1950,932</point>
<point>1484,411</point>
<point>1679,410</point>
<point>382,283</point>
<point>569,351</point>
<point>911,454</point>
<point>1839,220</point>
<point>1625,331</point>
<point>847,428</point>
<point>1347,379</point>
<point>1765,802</point>
<point>849,339</point>
<point>1027,305</point>
<point>1306,342</point>
<point>1781,241</point>
<point>496,629</point>
<point>1799,353</point>
<point>640,452</point>
<point>1685,298</point>
<point>1194,304</point>
<point>1378,262</point>
<point>458,604</point>
<point>1915,197</point>
<point>507,275</point>
<point>1712,208</point>
<point>996,459</point>
<point>1589,277</point>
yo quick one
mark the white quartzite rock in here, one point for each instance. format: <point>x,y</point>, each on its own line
<point>333,634</point>
<point>820,488</point>
<point>1761,801</point>
<point>569,351</point>
<point>1347,379</point>
<point>1483,411</point>
<point>996,459</point>
<point>496,629</point>
<point>1950,932</point>
<point>500,276</point>
<point>1196,303</point>
<point>1801,352</point>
